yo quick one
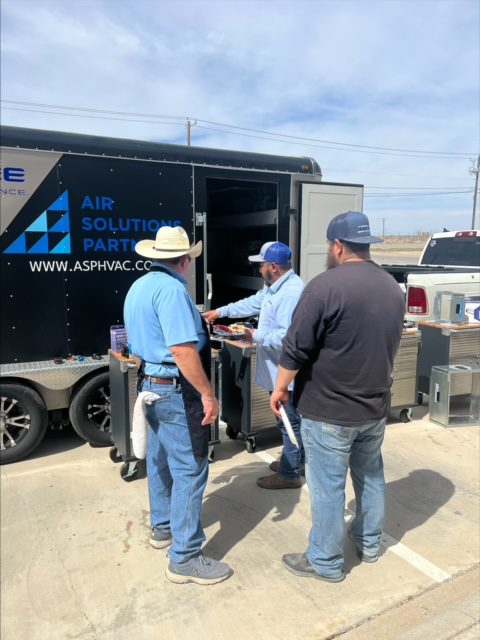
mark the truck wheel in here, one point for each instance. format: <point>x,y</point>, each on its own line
<point>90,410</point>
<point>23,422</point>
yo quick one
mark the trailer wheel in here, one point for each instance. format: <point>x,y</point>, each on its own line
<point>23,422</point>
<point>90,410</point>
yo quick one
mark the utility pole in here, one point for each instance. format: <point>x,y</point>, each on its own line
<point>189,126</point>
<point>383,228</point>
<point>474,171</point>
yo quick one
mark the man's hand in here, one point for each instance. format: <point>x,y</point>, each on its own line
<point>278,396</point>
<point>249,334</point>
<point>210,408</point>
<point>210,316</point>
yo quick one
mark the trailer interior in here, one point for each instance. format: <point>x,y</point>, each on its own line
<point>242,215</point>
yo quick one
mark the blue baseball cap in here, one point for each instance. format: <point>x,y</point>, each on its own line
<point>273,252</point>
<point>351,226</point>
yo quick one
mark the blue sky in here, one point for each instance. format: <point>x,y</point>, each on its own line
<point>393,73</point>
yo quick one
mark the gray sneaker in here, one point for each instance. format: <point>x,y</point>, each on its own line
<point>298,564</point>
<point>160,539</point>
<point>200,569</point>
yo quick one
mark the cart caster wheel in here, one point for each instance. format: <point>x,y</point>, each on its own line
<point>406,415</point>
<point>251,445</point>
<point>114,455</point>
<point>211,454</point>
<point>129,471</point>
<point>420,398</point>
<point>231,433</point>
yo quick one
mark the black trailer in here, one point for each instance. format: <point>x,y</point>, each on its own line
<point>73,208</point>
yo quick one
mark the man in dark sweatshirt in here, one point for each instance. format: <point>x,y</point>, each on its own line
<point>340,349</point>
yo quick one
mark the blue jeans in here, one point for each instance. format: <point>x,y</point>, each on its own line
<point>292,459</point>
<point>330,450</point>
<point>176,479</point>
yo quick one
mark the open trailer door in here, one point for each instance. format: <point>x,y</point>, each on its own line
<point>319,203</point>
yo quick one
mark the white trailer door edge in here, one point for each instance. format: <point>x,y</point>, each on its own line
<point>320,202</point>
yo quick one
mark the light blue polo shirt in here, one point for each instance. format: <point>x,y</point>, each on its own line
<point>159,313</point>
<point>275,306</point>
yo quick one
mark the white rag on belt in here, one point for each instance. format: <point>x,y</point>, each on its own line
<point>139,431</point>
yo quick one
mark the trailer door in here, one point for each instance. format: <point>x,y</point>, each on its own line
<point>319,203</point>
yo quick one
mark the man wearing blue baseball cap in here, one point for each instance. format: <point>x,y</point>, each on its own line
<point>340,350</point>
<point>274,304</point>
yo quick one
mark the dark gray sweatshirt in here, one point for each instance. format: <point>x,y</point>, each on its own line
<point>343,338</point>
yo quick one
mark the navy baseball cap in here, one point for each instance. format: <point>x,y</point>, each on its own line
<point>351,226</point>
<point>273,252</point>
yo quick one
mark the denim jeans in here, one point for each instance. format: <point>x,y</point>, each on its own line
<point>330,450</point>
<point>292,459</point>
<point>176,479</point>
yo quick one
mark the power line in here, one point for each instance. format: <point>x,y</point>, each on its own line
<point>78,115</point>
<point>389,173</point>
<point>248,135</point>
<point>414,195</point>
<point>272,135</point>
<point>312,143</point>
<point>413,188</point>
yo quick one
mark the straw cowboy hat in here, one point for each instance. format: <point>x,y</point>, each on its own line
<point>170,242</point>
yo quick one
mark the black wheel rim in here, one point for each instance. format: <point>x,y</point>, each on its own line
<point>98,408</point>
<point>15,422</point>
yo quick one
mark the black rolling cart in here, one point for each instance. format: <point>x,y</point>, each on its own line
<point>123,394</point>
<point>245,406</point>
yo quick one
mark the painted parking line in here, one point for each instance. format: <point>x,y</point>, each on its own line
<point>389,542</point>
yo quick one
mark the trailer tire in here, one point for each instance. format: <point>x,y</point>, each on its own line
<point>24,419</point>
<point>90,410</point>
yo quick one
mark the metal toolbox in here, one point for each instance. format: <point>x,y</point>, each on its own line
<point>245,405</point>
<point>455,395</point>
<point>404,386</point>
<point>123,394</point>
<point>446,345</point>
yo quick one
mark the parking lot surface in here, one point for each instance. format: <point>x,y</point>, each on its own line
<point>76,562</point>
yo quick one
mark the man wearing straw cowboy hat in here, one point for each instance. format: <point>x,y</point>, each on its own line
<point>169,336</point>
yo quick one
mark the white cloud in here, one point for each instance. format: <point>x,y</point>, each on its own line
<point>395,74</point>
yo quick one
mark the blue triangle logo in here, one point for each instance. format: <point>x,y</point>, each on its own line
<point>61,203</point>
<point>19,246</point>
<point>41,246</point>
<point>40,225</point>
<point>63,246</point>
<point>63,224</point>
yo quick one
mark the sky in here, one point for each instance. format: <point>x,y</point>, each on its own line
<point>388,75</point>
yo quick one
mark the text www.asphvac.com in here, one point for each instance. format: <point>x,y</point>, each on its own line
<point>89,265</point>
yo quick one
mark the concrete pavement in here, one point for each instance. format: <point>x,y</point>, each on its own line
<point>76,562</point>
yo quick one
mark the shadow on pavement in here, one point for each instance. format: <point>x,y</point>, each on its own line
<point>414,499</point>
<point>239,505</point>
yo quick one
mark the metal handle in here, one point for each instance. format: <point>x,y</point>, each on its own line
<point>208,301</point>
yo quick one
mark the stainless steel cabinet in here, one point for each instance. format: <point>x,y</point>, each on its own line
<point>444,344</point>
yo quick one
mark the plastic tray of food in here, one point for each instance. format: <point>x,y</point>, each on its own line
<point>231,332</point>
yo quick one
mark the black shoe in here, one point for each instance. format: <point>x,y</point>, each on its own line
<point>275,467</point>
<point>298,564</point>
<point>364,557</point>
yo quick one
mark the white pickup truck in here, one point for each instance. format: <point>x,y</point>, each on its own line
<point>450,262</point>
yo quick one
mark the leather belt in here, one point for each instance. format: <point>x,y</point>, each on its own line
<point>160,380</point>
